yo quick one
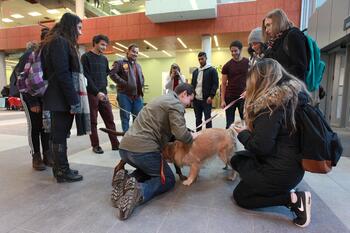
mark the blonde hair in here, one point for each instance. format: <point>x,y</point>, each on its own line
<point>280,22</point>
<point>265,90</point>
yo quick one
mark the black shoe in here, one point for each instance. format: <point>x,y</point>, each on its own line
<point>116,146</point>
<point>67,176</point>
<point>97,150</point>
<point>132,197</point>
<point>302,209</point>
<point>75,172</point>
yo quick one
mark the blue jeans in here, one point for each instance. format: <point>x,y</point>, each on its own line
<point>131,105</point>
<point>148,164</point>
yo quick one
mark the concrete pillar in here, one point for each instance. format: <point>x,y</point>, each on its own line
<point>206,47</point>
<point>80,8</point>
<point>3,80</point>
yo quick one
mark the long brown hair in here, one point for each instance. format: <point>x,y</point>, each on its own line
<point>174,66</point>
<point>280,22</point>
<point>268,88</point>
<point>67,28</point>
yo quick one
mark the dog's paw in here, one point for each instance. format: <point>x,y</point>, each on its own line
<point>182,177</point>
<point>187,182</point>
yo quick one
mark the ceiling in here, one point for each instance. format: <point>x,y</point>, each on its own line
<point>23,7</point>
<point>10,7</point>
<point>172,45</point>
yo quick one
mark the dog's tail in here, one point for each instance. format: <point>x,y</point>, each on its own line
<point>112,132</point>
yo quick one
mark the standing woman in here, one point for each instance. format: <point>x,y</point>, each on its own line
<point>286,44</point>
<point>175,78</point>
<point>59,61</point>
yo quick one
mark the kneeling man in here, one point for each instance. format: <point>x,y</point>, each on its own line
<point>141,148</point>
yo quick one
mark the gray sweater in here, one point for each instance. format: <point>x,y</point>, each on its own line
<point>155,125</point>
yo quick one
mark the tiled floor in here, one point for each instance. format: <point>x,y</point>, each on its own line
<point>32,201</point>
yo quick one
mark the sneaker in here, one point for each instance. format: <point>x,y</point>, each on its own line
<point>130,200</point>
<point>118,184</point>
<point>97,150</point>
<point>302,209</point>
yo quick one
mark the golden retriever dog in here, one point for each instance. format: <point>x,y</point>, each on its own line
<point>209,142</point>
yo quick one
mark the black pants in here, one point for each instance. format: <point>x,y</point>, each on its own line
<point>35,130</point>
<point>61,123</point>
<point>200,107</point>
<point>230,112</point>
<point>258,188</point>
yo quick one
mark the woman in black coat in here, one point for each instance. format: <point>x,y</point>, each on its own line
<point>59,60</point>
<point>286,44</point>
<point>270,168</point>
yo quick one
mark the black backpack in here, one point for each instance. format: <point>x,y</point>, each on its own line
<point>320,146</point>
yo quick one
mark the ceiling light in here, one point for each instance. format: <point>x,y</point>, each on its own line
<point>116,2</point>
<point>114,11</point>
<point>190,50</point>
<point>216,41</point>
<point>53,11</point>
<point>168,54</point>
<point>6,20</point>
<point>121,45</point>
<point>142,6</point>
<point>34,13</point>
<point>219,48</point>
<point>182,43</point>
<point>143,55</point>
<point>194,4</point>
<point>126,1</point>
<point>121,50</point>
<point>119,55</point>
<point>148,43</point>
<point>17,16</point>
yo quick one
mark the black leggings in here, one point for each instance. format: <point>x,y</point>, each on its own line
<point>230,112</point>
<point>35,130</point>
<point>259,189</point>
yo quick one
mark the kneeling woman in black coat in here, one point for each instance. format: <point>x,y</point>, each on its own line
<point>271,165</point>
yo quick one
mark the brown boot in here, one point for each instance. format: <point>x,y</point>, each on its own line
<point>48,160</point>
<point>37,162</point>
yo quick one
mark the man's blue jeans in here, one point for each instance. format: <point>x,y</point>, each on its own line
<point>131,105</point>
<point>149,165</point>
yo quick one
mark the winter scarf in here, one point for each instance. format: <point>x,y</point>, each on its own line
<point>82,118</point>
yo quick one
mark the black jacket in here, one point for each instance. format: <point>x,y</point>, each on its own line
<point>210,82</point>
<point>58,65</point>
<point>295,62</point>
<point>277,151</point>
